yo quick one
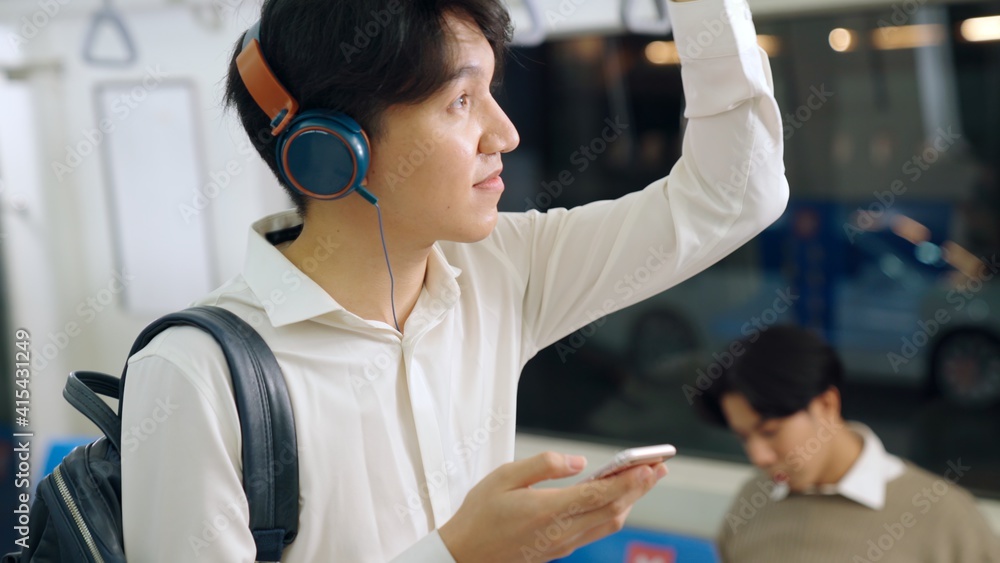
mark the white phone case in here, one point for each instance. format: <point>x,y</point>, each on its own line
<point>634,456</point>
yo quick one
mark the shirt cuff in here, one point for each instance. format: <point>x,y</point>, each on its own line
<point>430,549</point>
<point>706,29</point>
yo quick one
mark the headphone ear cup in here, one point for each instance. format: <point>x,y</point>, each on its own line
<point>323,154</point>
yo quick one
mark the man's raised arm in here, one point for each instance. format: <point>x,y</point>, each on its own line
<point>728,186</point>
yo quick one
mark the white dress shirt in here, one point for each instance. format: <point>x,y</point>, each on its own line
<point>394,429</point>
<point>866,481</point>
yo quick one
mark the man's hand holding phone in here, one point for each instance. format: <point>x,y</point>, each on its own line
<point>503,518</point>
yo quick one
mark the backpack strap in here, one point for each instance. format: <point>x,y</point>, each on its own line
<point>80,390</point>
<point>267,425</point>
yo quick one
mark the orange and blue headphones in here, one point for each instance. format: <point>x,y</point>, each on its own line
<point>324,154</point>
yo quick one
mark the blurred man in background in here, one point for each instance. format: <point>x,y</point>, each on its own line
<point>828,490</point>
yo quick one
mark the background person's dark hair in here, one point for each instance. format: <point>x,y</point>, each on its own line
<point>317,50</point>
<point>779,374</point>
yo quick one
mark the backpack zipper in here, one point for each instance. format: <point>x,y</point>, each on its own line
<point>80,523</point>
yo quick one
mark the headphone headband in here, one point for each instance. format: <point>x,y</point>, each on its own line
<point>253,32</point>
<point>263,85</point>
<point>320,153</point>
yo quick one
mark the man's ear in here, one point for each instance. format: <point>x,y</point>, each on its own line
<point>827,404</point>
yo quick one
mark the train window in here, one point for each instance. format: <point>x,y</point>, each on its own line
<point>888,245</point>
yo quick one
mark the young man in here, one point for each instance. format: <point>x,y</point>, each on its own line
<point>405,437</point>
<point>829,491</point>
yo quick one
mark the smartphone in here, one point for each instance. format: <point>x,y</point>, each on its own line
<point>626,459</point>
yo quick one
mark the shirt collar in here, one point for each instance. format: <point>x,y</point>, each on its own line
<point>288,295</point>
<point>866,481</point>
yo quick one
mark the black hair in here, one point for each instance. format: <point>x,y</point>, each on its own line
<point>780,371</point>
<point>359,57</point>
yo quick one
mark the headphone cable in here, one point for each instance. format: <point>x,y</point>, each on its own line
<point>392,283</point>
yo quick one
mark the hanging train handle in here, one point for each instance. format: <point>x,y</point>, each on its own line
<point>109,15</point>
<point>536,35</point>
<point>633,24</point>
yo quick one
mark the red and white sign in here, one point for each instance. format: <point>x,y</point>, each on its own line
<point>645,553</point>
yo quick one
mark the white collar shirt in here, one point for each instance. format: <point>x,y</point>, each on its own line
<point>866,481</point>
<point>395,428</point>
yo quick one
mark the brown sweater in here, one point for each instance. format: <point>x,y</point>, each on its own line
<point>925,519</point>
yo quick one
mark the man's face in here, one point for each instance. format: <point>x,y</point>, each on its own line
<point>794,449</point>
<point>428,168</point>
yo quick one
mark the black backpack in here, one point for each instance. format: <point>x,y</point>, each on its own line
<point>77,515</point>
